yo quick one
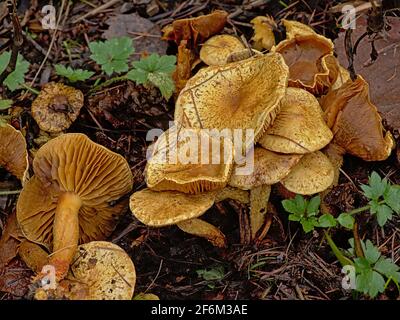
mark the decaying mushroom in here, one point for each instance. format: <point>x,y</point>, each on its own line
<point>310,58</point>
<point>185,160</point>
<point>314,173</point>
<point>100,271</point>
<point>13,152</point>
<point>57,107</point>
<point>299,127</point>
<point>74,196</point>
<point>216,50</point>
<point>239,95</point>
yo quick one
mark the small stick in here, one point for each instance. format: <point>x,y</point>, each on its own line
<point>97,10</point>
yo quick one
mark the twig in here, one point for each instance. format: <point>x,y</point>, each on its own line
<point>155,278</point>
<point>97,10</point>
<point>17,43</point>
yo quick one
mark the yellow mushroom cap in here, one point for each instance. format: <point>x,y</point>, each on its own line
<point>356,123</point>
<point>263,38</point>
<point>73,163</point>
<point>295,28</point>
<point>299,127</point>
<point>57,107</point>
<point>216,50</point>
<point>203,229</point>
<point>239,95</point>
<point>310,59</point>
<point>269,168</point>
<point>314,173</point>
<point>164,208</point>
<point>182,160</point>
<point>13,152</point>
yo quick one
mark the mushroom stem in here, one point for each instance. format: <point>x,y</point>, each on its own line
<point>65,233</point>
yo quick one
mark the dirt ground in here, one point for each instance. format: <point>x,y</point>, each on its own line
<point>287,264</point>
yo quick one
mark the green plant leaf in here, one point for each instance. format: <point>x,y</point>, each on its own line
<point>290,206</point>
<point>370,282</point>
<point>377,186</point>
<point>346,220</point>
<point>17,77</point>
<point>163,82</point>
<point>294,217</point>
<point>216,273</point>
<point>388,268</point>
<point>313,205</point>
<point>5,104</point>
<point>392,198</point>
<point>73,75</point>
<point>301,203</point>
<point>327,221</point>
<point>371,252</point>
<point>113,54</point>
<point>384,214</point>
<point>308,224</point>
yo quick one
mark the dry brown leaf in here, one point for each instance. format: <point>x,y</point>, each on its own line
<point>15,278</point>
<point>383,75</point>
<point>10,241</point>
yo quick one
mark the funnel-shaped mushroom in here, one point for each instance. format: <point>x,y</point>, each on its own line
<point>269,168</point>
<point>100,271</point>
<point>216,50</point>
<point>356,123</point>
<point>73,196</point>
<point>314,173</point>
<point>299,127</point>
<point>189,161</point>
<point>165,208</point>
<point>239,95</point>
<point>57,107</point>
<point>309,57</point>
<point>13,152</point>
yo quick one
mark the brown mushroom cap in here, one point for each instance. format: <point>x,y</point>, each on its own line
<point>73,163</point>
<point>233,194</point>
<point>243,55</point>
<point>216,50</point>
<point>314,173</point>
<point>356,123</point>
<point>240,95</point>
<point>269,168</point>
<point>13,152</point>
<point>57,107</point>
<point>203,229</point>
<point>164,208</point>
<point>299,127</point>
<point>310,59</point>
<point>189,173</point>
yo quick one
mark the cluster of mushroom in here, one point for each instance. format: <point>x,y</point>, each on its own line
<point>305,113</point>
<point>75,197</point>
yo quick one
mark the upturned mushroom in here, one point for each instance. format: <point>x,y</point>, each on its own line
<point>73,197</point>
<point>216,50</point>
<point>100,271</point>
<point>263,38</point>
<point>299,127</point>
<point>309,56</point>
<point>240,95</point>
<point>13,152</point>
<point>189,161</point>
<point>57,107</point>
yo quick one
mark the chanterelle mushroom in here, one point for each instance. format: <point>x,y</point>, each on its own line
<point>57,107</point>
<point>310,58</point>
<point>216,50</point>
<point>73,196</point>
<point>100,271</point>
<point>13,152</point>
<point>189,161</point>
<point>299,127</point>
<point>239,95</point>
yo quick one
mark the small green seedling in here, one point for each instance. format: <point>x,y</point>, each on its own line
<point>5,104</point>
<point>306,211</point>
<point>213,274</point>
<point>73,75</point>
<point>112,55</point>
<point>16,78</point>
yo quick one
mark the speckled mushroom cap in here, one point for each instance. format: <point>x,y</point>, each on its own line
<point>309,57</point>
<point>73,163</point>
<point>239,95</point>
<point>269,168</point>
<point>107,270</point>
<point>182,160</point>
<point>314,173</point>
<point>216,50</point>
<point>164,208</point>
<point>57,107</point>
<point>356,123</point>
<point>299,127</point>
<point>13,152</point>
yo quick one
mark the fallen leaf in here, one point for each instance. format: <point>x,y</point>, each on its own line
<point>146,34</point>
<point>15,278</point>
<point>196,29</point>
<point>10,241</point>
<point>383,75</point>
